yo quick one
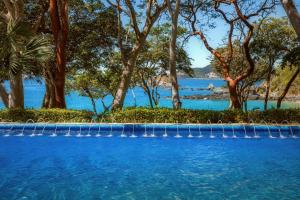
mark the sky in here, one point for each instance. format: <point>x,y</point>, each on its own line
<point>199,53</point>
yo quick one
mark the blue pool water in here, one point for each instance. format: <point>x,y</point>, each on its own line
<point>76,168</point>
<point>34,93</point>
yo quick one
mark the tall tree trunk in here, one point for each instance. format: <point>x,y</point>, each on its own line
<point>124,83</point>
<point>92,99</point>
<point>232,86</point>
<point>94,105</point>
<point>4,95</point>
<point>46,99</point>
<point>15,13</point>
<point>172,60</point>
<point>147,90</point>
<point>49,97</point>
<point>267,91</point>
<point>155,96</point>
<point>287,87</point>
<point>16,97</point>
<point>105,108</point>
<point>153,11</point>
<point>59,25</point>
<point>293,15</point>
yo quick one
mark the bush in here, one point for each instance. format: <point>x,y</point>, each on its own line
<point>162,115</point>
<point>45,115</point>
<point>147,115</point>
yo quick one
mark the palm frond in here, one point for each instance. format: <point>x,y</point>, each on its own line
<point>15,63</point>
<point>37,50</point>
<point>19,30</point>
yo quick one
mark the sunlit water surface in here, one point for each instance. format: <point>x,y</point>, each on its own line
<point>148,168</point>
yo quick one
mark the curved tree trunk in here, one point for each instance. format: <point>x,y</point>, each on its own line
<point>4,95</point>
<point>235,102</point>
<point>153,11</point>
<point>105,108</point>
<point>124,84</point>
<point>46,99</point>
<point>59,25</point>
<point>147,90</point>
<point>293,15</point>
<point>16,97</point>
<point>267,92</point>
<point>89,94</point>
<point>49,97</point>
<point>287,87</point>
<point>155,96</point>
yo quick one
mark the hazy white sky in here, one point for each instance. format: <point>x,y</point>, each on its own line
<point>198,52</point>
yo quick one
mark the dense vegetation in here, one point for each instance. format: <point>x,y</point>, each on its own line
<point>165,115</point>
<point>45,115</point>
<point>157,115</point>
<point>102,48</point>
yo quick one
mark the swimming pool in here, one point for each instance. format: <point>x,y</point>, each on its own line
<point>150,161</point>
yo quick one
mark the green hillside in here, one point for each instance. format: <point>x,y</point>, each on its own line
<point>202,72</point>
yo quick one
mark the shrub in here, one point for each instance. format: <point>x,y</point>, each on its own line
<point>162,115</point>
<point>147,115</point>
<point>45,115</point>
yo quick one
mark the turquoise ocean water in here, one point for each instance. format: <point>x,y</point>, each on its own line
<point>34,93</point>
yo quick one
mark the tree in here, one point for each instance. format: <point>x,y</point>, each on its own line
<point>293,15</point>
<point>238,65</point>
<point>290,60</point>
<point>271,42</point>
<point>174,13</point>
<point>238,17</point>
<point>130,52</point>
<point>92,70</point>
<point>154,61</point>
<point>14,15</point>
<point>94,85</point>
<point>59,26</point>
<point>21,49</point>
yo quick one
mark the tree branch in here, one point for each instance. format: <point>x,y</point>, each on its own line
<point>133,18</point>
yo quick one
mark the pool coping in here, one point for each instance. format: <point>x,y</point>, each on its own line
<point>170,124</point>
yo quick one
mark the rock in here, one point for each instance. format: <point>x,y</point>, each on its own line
<point>220,90</point>
<point>210,86</point>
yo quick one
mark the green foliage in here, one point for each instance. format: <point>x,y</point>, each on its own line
<point>86,85</point>
<point>92,34</point>
<point>153,61</point>
<point>21,49</point>
<point>146,115</point>
<point>272,39</point>
<point>282,77</point>
<point>292,57</point>
<point>43,115</point>
<point>156,51</point>
<point>165,115</point>
<point>92,71</point>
